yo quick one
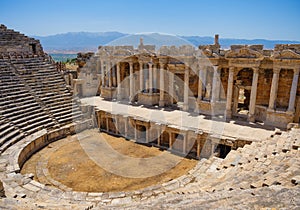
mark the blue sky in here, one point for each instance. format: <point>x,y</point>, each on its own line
<point>251,19</point>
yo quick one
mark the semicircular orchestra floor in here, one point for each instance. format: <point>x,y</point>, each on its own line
<point>73,163</point>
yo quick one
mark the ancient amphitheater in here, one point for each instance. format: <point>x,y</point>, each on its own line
<point>205,127</point>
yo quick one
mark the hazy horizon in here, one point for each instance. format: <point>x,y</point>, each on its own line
<point>272,20</point>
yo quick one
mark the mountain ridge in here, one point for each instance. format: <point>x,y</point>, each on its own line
<point>73,42</point>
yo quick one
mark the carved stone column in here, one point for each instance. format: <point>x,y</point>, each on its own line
<point>215,85</point>
<point>98,65</point>
<point>126,127</point>
<point>185,139</point>
<point>114,79</point>
<point>109,74</point>
<point>204,77</point>
<point>198,148</point>
<point>158,135</point>
<point>229,93</point>
<point>170,140</point>
<point>251,116</point>
<point>293,91</point>
<point>141,77</point>
<point>130,82</point>
<point>102,73</point>
<point>119,96</point>
<point>161,85</point>
<point>200,86</point>
<point>150,78</point>
<point>186,89</point>
<point>171,87</point>
<point>155,76</point>
<point>274,88</point>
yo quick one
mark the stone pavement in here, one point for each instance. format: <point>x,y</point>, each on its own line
<point>218,126</point>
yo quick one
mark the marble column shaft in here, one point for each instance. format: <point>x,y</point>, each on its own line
<point>215,85</point>
<point>274,88</point>
<point>293,91</point>
<point>161,85</point>
<point>150,77</point>
<point>253,95</point>
<point>229,92</point>
<point>102,73</point>
<point>118,81</point>
<point>186,89</point>
<point>200,86</point>
<point>131,81</point>
<point>141,77</point>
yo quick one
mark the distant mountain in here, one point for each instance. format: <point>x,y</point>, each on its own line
<point>74,42</point>
<point>77,41</point>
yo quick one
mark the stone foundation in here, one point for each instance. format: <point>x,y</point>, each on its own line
<point>148,98</point>
<point>181,140</point>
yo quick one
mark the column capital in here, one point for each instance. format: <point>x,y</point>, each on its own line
<point>276,70</point>
<point>161,64</point>
<point>231,69</point>
<point>255,69</point>
<point>217,68</point>
<point>296,70</point>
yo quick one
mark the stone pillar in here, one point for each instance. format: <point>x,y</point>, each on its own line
<point>141,77</point>
<point>158,135</point>
<point>126,127</point>
<point>97,65</point>
<point>102,73</point>
<point>107,127</point>
<point>131,82</point>
<point>198,148</point>
<point>147,135</point>
<point>215,85</point>
<point>185,139</point>
<point>135,132</point>
<point>119,96</point>
<point>274,88</point>
<point>204,77</point>
<point>293,91</point>
<point>114,80</point>
<point>229,93</point>
<point>161,85</point>
<point>155,76</point>
<point>171,87</point>
<point>150,78</point>
<point>109,74</point>
<point>200,86</point>
<point>186,89</point>
<point>170,140</point>
<point>251,116</point>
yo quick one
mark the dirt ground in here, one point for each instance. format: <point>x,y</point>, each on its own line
<point>70,165</point>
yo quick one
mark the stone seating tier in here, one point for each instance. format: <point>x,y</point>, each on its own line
<point>34,96</point>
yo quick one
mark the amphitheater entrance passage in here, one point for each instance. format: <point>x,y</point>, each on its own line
<point>242,92</point>
<point>141,133</point>
<point>178,143</point>
<point>223,150</point>
<point>165,140</point>
<point>33,48</point>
